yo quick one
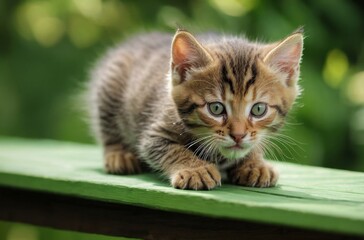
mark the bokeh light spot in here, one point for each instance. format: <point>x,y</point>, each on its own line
<point>48,30</point>
<point>89,8</point>
<point>234,8</point>
<point>37,20</point>
<point>336,66</point>
<point>355,88</point>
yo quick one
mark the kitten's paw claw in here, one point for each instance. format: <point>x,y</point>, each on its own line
<point>255,174</point>
<point>121,162</point>
<point>205,177</point>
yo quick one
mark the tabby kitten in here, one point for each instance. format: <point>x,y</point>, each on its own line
<point>194,107</point>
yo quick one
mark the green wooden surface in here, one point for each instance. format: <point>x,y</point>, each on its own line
<point>308,197</point>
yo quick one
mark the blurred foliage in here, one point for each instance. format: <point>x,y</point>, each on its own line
<point>48,46</point>
<point>17,231</point>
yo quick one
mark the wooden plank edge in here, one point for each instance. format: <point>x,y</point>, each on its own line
<point>90,216</point>
<point>189,204</point>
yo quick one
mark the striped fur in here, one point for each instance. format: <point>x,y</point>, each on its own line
<point>149,104</point>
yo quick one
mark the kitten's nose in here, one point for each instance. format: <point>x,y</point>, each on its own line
<point>237,137</point>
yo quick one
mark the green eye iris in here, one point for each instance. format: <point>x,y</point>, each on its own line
<point>259,109</point>
<point>216,108</point>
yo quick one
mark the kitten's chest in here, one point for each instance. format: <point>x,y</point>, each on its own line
<point>225,164</point>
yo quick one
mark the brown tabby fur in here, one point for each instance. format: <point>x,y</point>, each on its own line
<point>149,104</point>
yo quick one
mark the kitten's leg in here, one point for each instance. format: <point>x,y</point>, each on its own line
<point>119,160</point>
<point>184,169</point>
<point>253,171</point>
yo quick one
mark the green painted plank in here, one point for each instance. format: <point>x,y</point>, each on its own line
<point>308,197</point>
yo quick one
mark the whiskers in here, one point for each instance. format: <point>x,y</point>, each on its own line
<point>279,145</point>
<point>205,146</point>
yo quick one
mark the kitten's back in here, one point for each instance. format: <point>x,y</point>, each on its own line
<point>125,82</point>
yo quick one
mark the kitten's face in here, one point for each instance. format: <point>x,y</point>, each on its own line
<point>237,96</point>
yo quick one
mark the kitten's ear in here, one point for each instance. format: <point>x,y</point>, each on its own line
<point>187,53</point>
<point>285,57</point>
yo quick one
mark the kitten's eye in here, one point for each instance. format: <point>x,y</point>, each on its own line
<point>216,108</point>
<point>259,110</point>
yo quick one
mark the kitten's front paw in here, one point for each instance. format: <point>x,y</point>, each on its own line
<point>118,161</point>
<point>255,174</point>
<point>204,177</point>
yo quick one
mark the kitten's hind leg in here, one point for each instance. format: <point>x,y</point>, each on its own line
<point>119,160</point>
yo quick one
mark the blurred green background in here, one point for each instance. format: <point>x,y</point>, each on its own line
<point>48,47</point>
